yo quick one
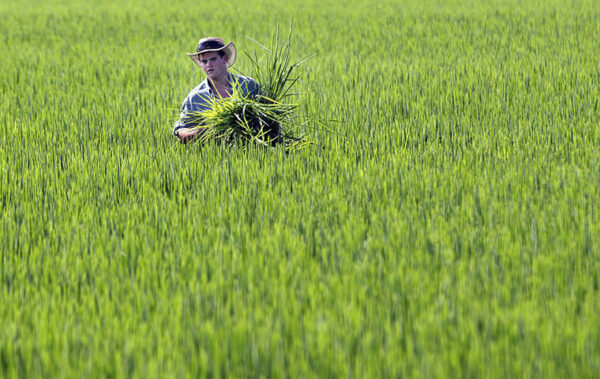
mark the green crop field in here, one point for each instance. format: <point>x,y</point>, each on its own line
<point>447,226</point>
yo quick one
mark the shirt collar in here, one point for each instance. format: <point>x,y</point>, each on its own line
<point>205,84</point>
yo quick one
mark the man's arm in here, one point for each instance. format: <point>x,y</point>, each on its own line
<point>185,134</point>
<point>254,88</point>
<point>185,128</point>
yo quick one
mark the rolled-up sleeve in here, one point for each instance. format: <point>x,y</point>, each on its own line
<point>197,101</point>
<point>185,121</point>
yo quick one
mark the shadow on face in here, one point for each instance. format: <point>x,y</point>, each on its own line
<point>214,64</point>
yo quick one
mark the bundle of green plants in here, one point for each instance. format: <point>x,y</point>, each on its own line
<point>269,118</point>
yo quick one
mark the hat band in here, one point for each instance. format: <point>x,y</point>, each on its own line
<point>209,45</point>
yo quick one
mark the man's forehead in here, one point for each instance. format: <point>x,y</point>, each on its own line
<point>208,55</point>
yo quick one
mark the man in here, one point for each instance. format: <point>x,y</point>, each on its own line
<point>215,57</point>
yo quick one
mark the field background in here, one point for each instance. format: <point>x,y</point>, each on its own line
<point>450,228</point>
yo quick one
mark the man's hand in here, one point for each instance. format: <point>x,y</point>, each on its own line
<point>186,135</point>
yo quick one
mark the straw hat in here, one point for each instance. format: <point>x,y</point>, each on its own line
<point>206,45</point>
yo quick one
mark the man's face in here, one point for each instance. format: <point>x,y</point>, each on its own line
<point>213,64</point>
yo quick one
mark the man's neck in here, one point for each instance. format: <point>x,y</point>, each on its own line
<point>220,82</point>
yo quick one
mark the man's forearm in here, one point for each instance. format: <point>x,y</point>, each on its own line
<point>187,134</point>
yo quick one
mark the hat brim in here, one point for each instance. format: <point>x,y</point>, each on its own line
<point>228,49</point>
